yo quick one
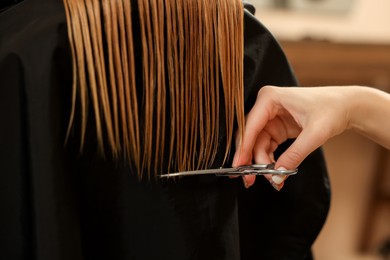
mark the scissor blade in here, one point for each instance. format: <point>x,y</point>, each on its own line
<point>199,172</point>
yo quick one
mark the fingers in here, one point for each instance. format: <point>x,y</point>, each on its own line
<point>263,152</point>
<point>248,180</point>
<point>264,148</point>
<point>274,118</point>
<point>276,181</point>
<point>269,124</point>
<point>264,145</point>
<point>305,143</point>
<point>255,122</point>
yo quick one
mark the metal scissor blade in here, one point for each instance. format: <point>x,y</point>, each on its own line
<point>253,169</point>
<point>198,172</point>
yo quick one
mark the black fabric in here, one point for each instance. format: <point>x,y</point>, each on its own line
<point>4,4</point>
<point>58,204</point>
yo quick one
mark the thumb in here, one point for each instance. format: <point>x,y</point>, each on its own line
<point>305,144</point>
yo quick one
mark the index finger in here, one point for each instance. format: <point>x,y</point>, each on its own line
<point>256,120</point>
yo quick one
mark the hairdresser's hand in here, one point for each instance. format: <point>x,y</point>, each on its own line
<point>311,115</point>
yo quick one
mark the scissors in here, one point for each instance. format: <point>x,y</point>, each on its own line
<point>252,169</point>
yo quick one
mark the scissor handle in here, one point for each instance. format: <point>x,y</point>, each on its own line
<point>257,169</point>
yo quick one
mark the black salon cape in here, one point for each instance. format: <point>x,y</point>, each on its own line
<point>58,204</point>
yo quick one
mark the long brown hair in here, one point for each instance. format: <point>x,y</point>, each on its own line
<point>188,48</point>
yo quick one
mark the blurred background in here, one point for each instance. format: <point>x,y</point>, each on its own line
<point>343,42</point>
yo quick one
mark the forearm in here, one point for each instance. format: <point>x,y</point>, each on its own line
<point>370,114</point>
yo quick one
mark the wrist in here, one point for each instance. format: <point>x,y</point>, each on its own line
<point>369,115</point>
<point>358,101</point>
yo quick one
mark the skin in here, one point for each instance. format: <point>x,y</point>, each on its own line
<point>312,116</point>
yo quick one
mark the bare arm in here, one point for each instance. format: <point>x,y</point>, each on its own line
<point>370,115</point>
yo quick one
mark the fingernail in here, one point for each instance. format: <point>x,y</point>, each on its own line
<point>245,183</point>
<point>278,179</point>
<point>276,187</point>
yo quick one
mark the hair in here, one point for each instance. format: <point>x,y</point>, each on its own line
<point>192,72</point>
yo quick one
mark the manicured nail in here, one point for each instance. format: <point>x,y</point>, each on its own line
<point>276,187</point>
<point>278,179</point>
<point>245,183</point>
